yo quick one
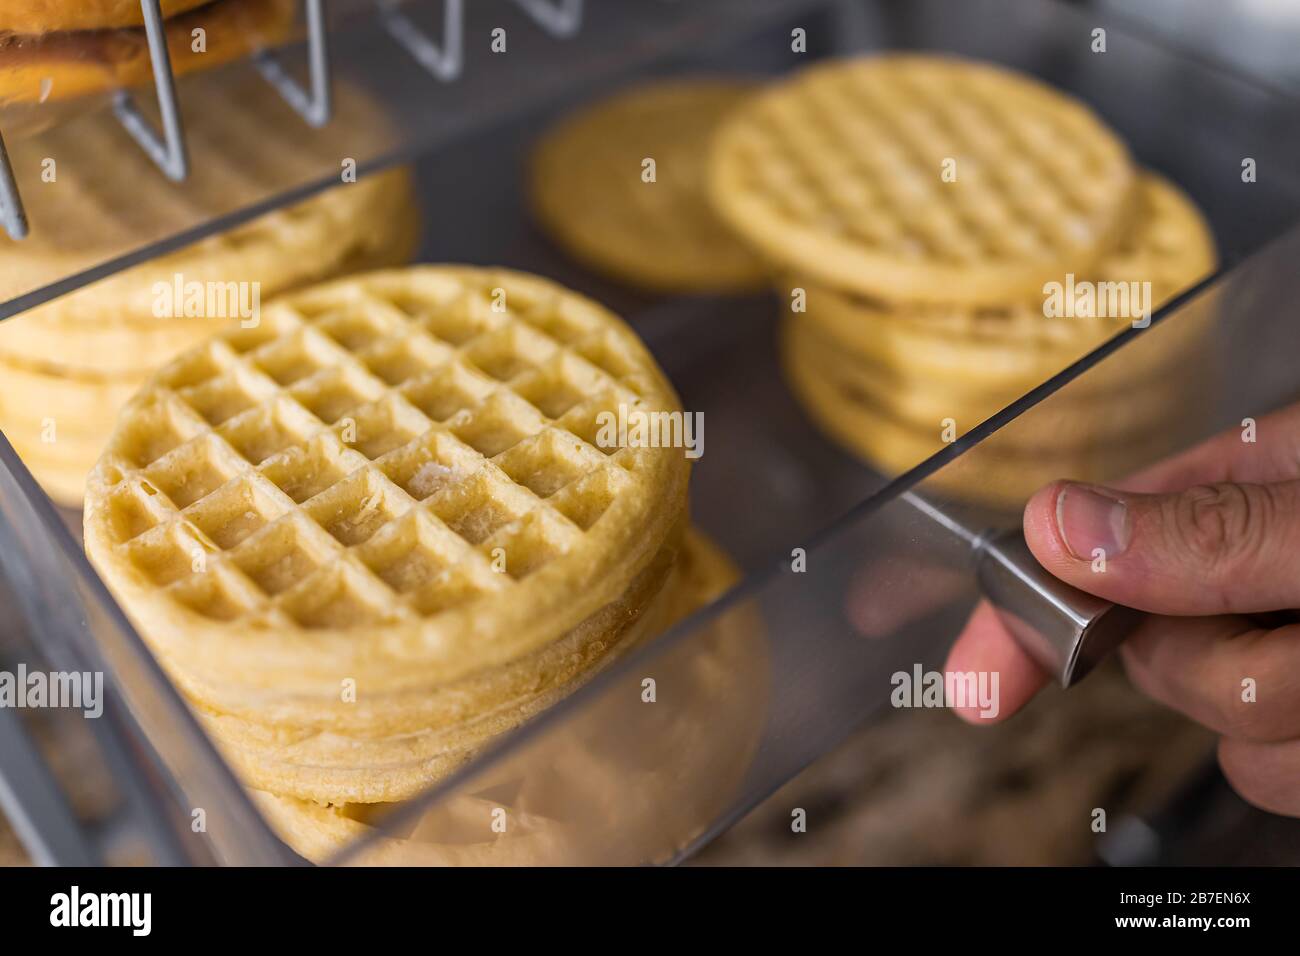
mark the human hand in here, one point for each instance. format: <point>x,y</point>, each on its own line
<point>1206,542</point>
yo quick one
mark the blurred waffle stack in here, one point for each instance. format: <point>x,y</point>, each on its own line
<point>950,234</point>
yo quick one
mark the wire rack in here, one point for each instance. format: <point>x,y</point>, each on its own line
<point>166,145</point>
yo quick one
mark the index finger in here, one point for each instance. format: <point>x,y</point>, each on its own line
<point>1270,455</point>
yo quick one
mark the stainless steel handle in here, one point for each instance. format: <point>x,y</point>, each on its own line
<point>1065,630</point>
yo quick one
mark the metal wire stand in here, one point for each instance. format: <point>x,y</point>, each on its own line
<point>314,103</point>
<point>167,146</point>
<point>443,62</point>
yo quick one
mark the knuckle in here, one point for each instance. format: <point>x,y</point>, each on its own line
<point>1222,525</point>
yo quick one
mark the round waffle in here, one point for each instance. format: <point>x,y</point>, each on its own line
<point>469,430</point>
<point>916,366</point>
<point>1102,408</point>
<point>34,17</point>
<point>64,65</point>
<point>340,768</point>
<point>587,188</point>
<point>567,817</point>
<point>838,174</point>
<point>1003,476</point>
<point>434,735</point>
<point>1018,346</point>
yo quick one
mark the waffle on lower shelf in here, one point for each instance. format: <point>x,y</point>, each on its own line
<point>395,485</point>
<point>923,209</point>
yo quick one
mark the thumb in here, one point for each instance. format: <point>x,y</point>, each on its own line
<point>1212,549</point>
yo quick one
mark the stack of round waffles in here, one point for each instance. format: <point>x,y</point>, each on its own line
<point>385,525</point>
<point>56,50</point>
<point>70,364</point>
<point>919,210</point>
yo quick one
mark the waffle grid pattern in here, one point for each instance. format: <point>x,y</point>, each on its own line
<point>1169,246</point>
<point>841,173</point>
<point>358,458</point>
<point>847,161</point>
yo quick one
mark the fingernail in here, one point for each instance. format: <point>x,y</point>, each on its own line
<point>1089,519</point>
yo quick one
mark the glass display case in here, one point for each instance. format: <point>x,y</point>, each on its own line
<point>848,576</point>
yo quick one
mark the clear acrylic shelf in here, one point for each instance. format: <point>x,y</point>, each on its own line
<point>754,688</point>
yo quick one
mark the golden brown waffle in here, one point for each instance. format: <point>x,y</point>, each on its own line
<point>885,381</point>
<point>837,174</point>
<point>426,736</point>
<point>588,192</point>
<point>348,473</point>
<point>1104,409</point>
<point>552,823</point>
<point>1011,348</point>
<point>64,65</point>
<point>34,17</point>
<point>1004,478</point>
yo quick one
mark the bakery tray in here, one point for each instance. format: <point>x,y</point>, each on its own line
<point>845,582</point>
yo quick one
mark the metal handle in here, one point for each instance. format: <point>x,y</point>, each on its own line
<point>1065,630</point>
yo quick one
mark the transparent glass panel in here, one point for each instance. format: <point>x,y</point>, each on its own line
<point>775,674</point>
<point>126,777</point>
<point>750,691</point>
